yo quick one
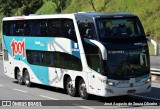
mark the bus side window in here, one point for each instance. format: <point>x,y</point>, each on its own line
<point>12,29</point>
<point>87,30</point>
<point>6,58</point>
<point>34,27</point>
<point>54,27</point>
<point>93,61</point>
<point>68,29</point>
<point>45,58</point>
<point>6,28</point>
<point>28,56</point>
<point>31,28</point>
<point>20,28</point>
<point>27,28</point>
<point>35,57</point>
<point>44,29</point>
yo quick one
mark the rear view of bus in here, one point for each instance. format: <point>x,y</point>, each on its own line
<point>125,65</point>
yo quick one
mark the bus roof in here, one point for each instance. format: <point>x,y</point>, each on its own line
<point>34,16</point>
<point>87,14</point>
<point>106,15</point>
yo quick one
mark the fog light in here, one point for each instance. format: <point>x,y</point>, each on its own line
<point>109,90</point>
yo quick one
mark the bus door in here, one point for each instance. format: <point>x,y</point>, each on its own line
<point>58,76</point>
<point>55,76</point>
<point>6,62</point>
<point>55,72</point>
<point>52,76</point>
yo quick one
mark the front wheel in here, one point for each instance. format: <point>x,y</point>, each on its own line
<point>27,78</point>
<point>19,77</point>
<point>70,89</point>
<point>83,90</point>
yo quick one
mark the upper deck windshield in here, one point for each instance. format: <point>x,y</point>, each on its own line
<point>119,28</point>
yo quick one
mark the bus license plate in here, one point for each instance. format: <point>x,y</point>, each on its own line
<point>131,91</point>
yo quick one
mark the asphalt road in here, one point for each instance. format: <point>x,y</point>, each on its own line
<point>11,90</point>
<point>155,62</point>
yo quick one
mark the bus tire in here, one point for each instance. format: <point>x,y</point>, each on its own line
<point>69,87</point>
<point>83,90</point>
<point>19,77</point>
<point>27,78</point>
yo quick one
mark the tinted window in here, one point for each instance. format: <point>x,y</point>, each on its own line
<point>54,27</point>
<point>127,27</point>
<point>68,29</point>
<point>42,27</point>
<point>54,59</point>
<point>87,30</point>
<point>5,55</point>
<point>92,55</point>
<point>93,61</point>
<point>127,63</point>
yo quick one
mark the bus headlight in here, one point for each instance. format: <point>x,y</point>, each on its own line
<point>110,83</point>
<point>148,80</point>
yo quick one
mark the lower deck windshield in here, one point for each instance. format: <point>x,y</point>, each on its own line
<point>125,64</point>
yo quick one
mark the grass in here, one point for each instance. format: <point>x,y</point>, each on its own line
<point>47,8</point>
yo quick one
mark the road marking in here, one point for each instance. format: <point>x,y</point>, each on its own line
<point>86,107</point>
<point>146,97</point>
<point>20,90</point>
<point>48,97</point>
<point>1,85</point>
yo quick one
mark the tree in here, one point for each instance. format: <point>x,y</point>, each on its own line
<point>92,4</point>
<point>60,5</point>
<point>105,5</point>
<point>9,7</point>
<point>30,7</point>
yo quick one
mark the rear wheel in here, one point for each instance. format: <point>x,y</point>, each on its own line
<point>27,78</point>
<point>19,77</point>
<point>83,90</point>
<point>69,87</point>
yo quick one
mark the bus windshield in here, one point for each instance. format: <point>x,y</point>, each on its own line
<point>127,63</point>
<point>119,28</point>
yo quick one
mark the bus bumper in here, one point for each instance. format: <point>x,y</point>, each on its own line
<point>117,91</point>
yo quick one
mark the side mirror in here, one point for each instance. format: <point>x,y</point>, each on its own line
<point>156,47</point>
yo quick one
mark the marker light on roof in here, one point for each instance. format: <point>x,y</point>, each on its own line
<point>118,16</point>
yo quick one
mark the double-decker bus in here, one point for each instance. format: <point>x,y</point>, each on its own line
<point>85,53</point>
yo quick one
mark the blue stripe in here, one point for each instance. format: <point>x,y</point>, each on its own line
<point>88,41</point>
